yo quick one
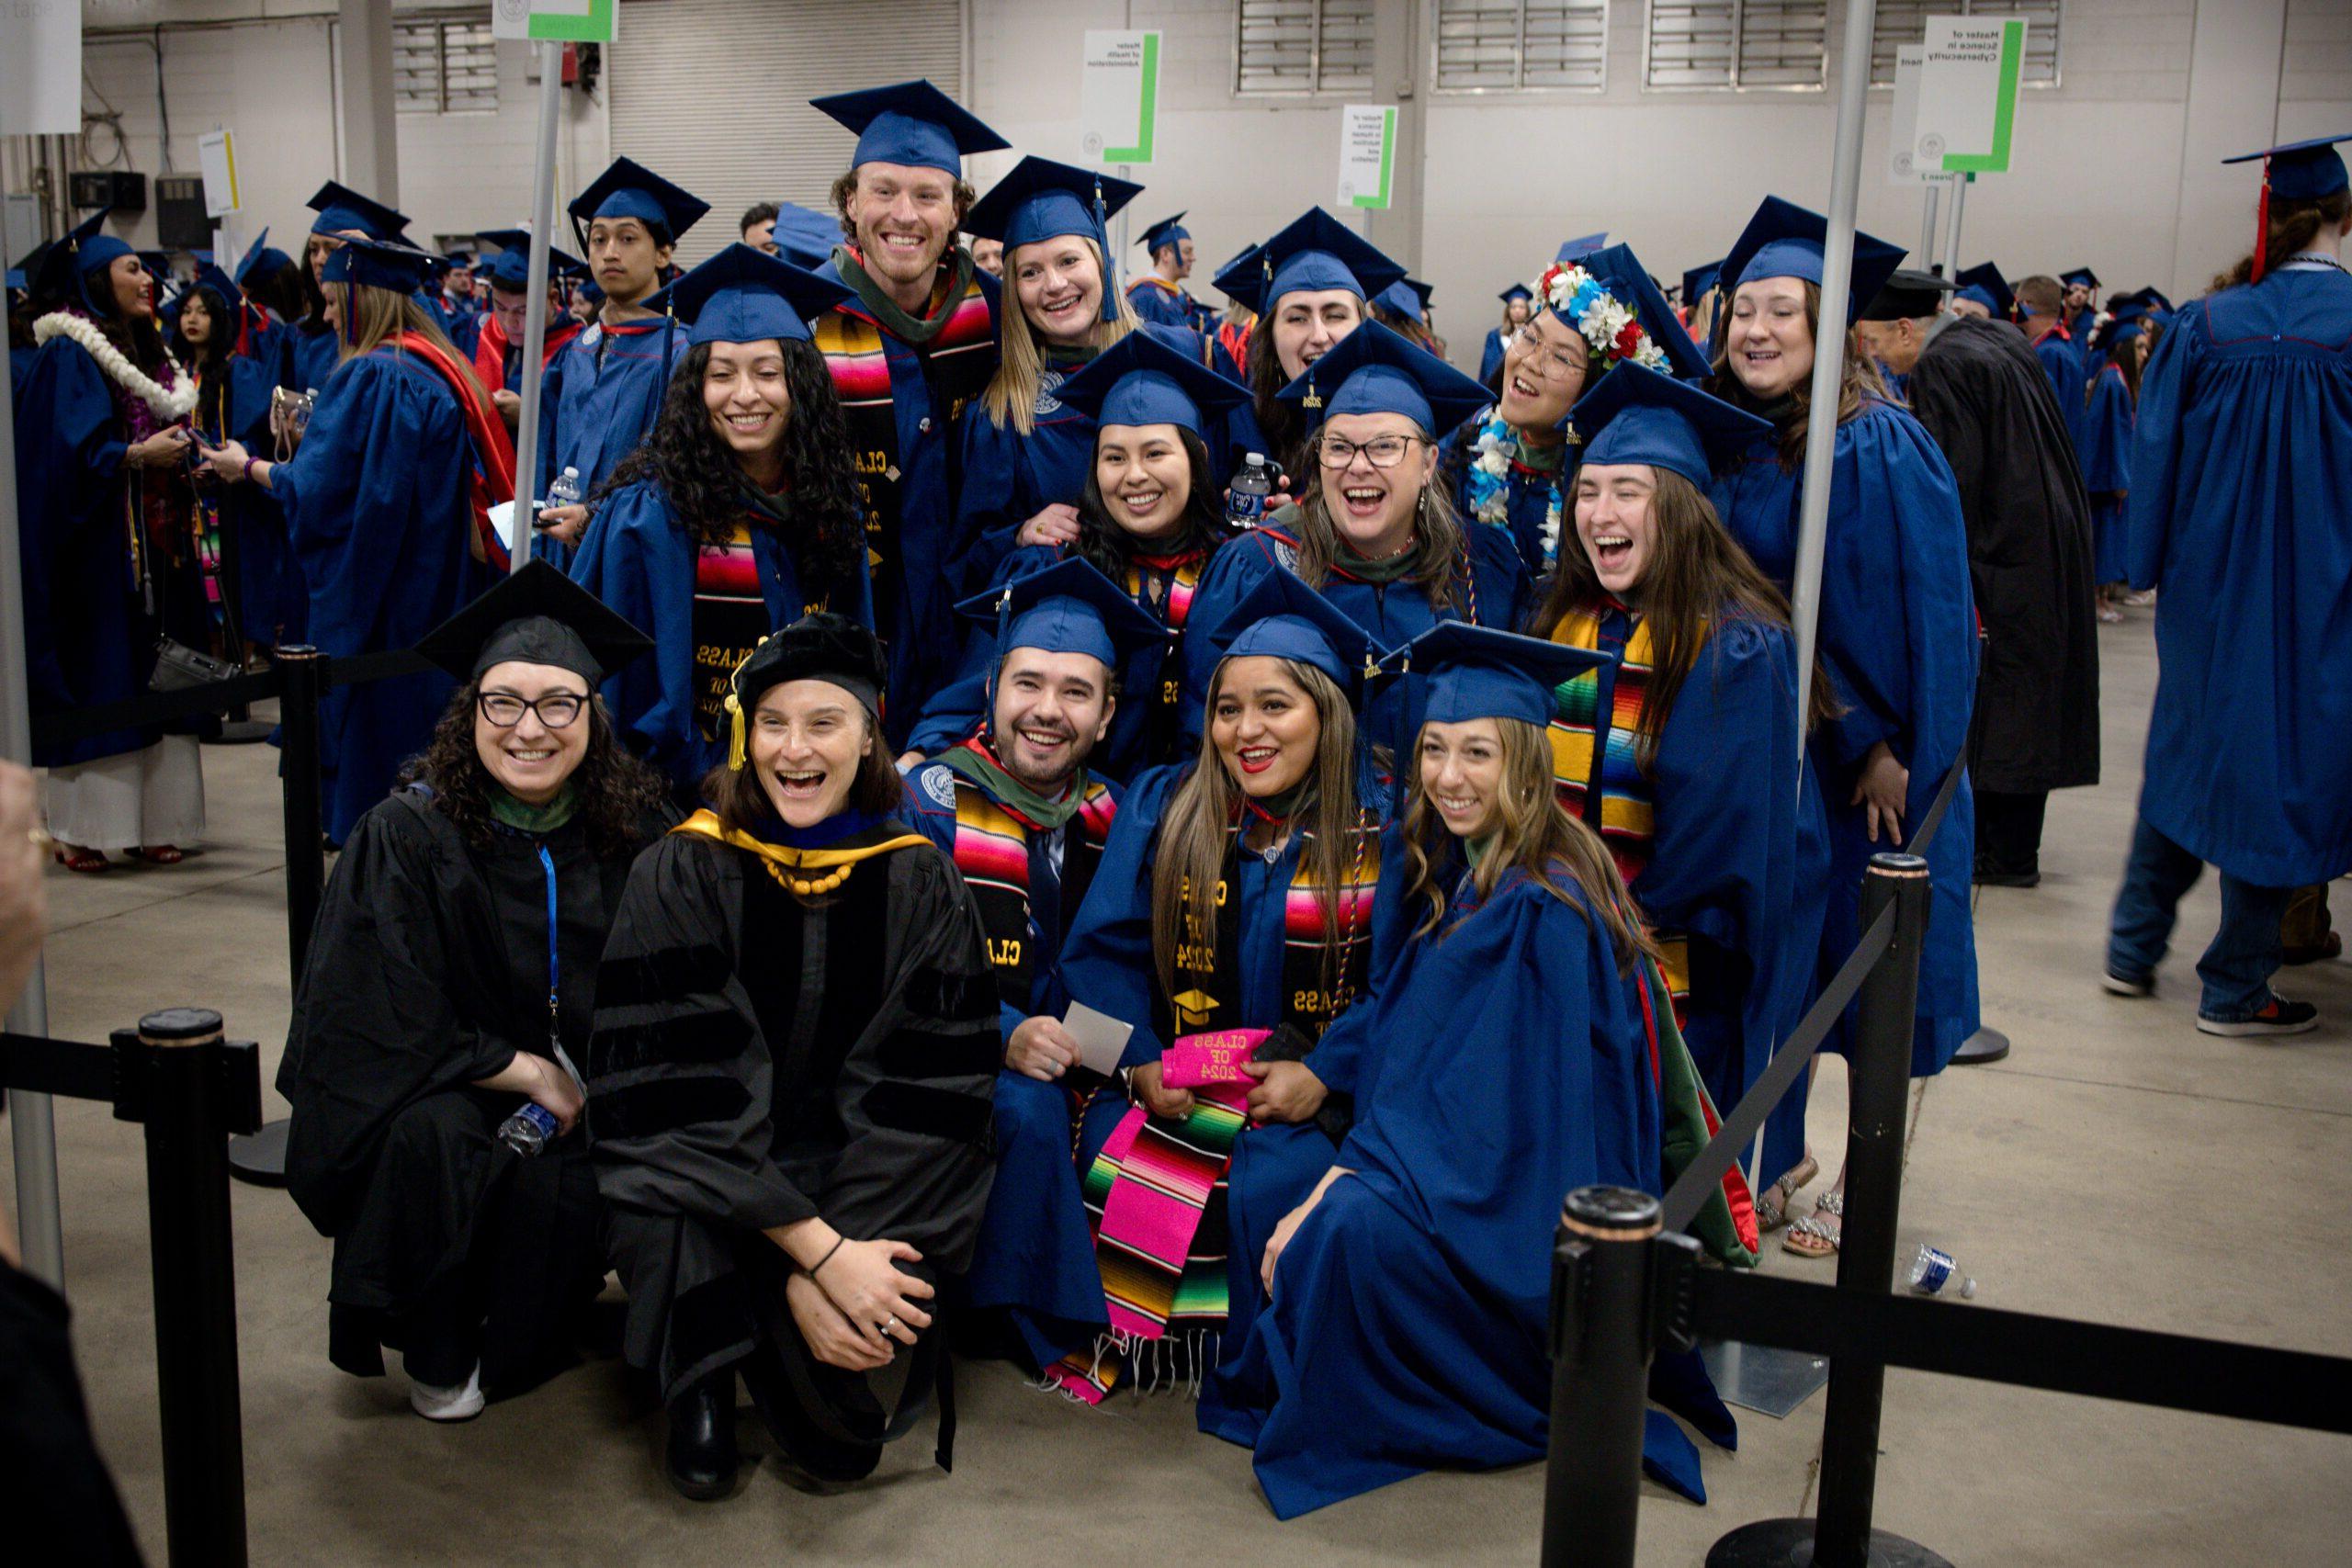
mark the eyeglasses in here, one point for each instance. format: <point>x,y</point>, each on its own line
<point>555,711</point>
<point>1381,451</point>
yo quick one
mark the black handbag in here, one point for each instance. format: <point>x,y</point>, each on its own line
<point>179,666</point>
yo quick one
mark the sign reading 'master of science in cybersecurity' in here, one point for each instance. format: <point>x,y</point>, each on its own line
<point>1968,95</point>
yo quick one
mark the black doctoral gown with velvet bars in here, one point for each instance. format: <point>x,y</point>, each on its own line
<point>761,1059</point>
<point>427,970</point>
<point>1982,394</point>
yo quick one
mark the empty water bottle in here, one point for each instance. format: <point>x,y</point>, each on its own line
<point>1933,1269</point>
<point>303,410</point>
<point>565,491</point>
<point>1246,498</point>
<point>529,1130</point>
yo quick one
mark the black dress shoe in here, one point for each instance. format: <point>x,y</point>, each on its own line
<point>702,1456</point>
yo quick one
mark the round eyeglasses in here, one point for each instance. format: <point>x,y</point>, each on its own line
<point>555,711</point>
<point>1381,451</point>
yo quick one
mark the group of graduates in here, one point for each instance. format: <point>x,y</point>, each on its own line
<point>993,895</point>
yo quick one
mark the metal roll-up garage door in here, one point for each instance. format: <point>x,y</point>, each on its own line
<point>713,94</point>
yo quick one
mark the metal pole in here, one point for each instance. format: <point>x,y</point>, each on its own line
<point>1600,1366</point>
<point>1829,345</point>
<point>1928,229</point>
<point>302,670</point>
<point>196,1288</point>
<point>1879,1083</point>
<point>1952,239</point>
<point>535,314</point>
<point>33,1127</point>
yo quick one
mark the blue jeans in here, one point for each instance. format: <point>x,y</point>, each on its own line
<point>2244,952</point>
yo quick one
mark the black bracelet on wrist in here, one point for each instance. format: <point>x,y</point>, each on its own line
<point>828,1257</point>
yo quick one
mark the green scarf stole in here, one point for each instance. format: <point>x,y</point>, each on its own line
<point>537,820</point>
<point>885,311</point>
<point>976,763</point>
<point>1476,849</point>
<point>1379,574</point>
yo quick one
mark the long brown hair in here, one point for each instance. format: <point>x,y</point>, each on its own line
<point>1858,380</point>
<point>2293,226</point>
<point>1443,559</point>
<point>1199,826</point>
<point>1698,577</point>
<point>1535,834</point>
<point>617,795</point>
<point>1011,397</point>
<point>372,315</point>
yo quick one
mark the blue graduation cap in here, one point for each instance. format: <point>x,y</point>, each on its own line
<point>2083,275</point>
<point>913,123</point>
<point>804,236</point>
<point>629,189</point>
<point>1315,251</point>
<point>2301,171</point>
<point>1406,297</point>
<point>1984,284</point>
<point>66,266</point>
<point>1581,247</point>
<point>511,268</point>
<point>1167,232</point>
<point>1067,607</point>
<point>15,277</point>
<point>1041,200</point>
<point>341,209</point>
<point>1697,280</point>
<point>1478,673</point>
<point>1783,240</point>
<point>1376,370</point>
<point>1515,291</point>
<point>1142,380</point>
<point>1635,415</point>
<point>399,268</point>
<point>2155,299</point>
<point>226,295</point>
<point>1620,274</point>
<point>261,257</point>
<point>1283,618</point>
<point>744,295</point>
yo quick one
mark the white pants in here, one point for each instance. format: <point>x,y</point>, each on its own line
<point>152,796</point>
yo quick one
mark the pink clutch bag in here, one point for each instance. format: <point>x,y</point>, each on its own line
<point>1199,1061</point>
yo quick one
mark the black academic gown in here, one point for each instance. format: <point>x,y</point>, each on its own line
<point>427,970</point>
<point>1982,394</point>
<point>760,1060</point>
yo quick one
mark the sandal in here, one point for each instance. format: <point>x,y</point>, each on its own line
<point>1773,1204</point>
<point>1815,1237</point>
<point>162,855</point>
<point>86,861</point>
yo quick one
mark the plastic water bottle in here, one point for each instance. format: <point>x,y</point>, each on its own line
<point>1245,505</point>
<point>529,1130</point>
<point>565,491</point>
<point>302,410</point>
<point>1933,1269</point>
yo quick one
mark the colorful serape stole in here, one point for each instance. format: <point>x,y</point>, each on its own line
<point>731,615</point>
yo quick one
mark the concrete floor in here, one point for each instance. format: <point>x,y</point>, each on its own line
<point>2119,1166</point>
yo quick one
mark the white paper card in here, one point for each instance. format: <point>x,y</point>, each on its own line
<point>40,68</point>
<point>1101,1038</point>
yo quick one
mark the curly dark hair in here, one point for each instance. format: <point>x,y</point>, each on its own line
<point>618,794</point>
<point>706,484</point>
<point>1110,550</point>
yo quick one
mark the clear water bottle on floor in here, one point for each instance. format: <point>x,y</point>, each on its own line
<point>1246,498</point>
<point>1933,1269</point>
<point>565,491</point>
<point>529,1130</point>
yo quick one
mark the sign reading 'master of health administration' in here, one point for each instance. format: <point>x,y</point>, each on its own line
<point>1968,93</point>
<point>1118,96</point>
<point>1367,154</point>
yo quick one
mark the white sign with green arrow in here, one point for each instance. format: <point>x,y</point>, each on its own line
<point>1968,93</point>
<point>1118,96</point>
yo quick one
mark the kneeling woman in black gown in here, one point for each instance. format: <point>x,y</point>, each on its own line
<point>450,976</point>
<point>789,1084</point>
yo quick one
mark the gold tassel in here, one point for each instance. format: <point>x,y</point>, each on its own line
<point>735,754</point>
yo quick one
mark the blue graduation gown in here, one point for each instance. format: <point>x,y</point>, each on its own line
<point>312,357</point>
<point>270,595</point>
<point>2061,361</point>
<point>1154,300</point>
<point>1496,594</point>
<point>1898,635</point>
<point>1491,359</point>
<point>639,561</point>
<point>2241,471</point>
<point>2107,473</point>
<point>379,511</point>
<point>1505,1064</point>
<point>1107,964</point>
<point>1527,494</point>
<point>957,710</point>
<point>1035,1253</point>
<point>605,387</point>
<point>1009,478</point>
<point>88,637</point>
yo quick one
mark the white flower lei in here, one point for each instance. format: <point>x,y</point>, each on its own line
<point>1496,448</point>
<point>169,404</point>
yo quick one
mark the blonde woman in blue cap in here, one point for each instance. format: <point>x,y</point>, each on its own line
<point>1025,450</point>
<point>1228,925</point>
<point>344,214</point>
<point>738,514</point>
<point>1897,627</point>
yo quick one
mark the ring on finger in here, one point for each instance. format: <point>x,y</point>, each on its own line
<point>890,1324</point>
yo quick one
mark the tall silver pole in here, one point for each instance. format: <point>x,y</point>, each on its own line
<point>32,1127</point>
<point>1952,237</point>
<point>1829,348</point>
<point>1928,230</point>
<point>534,317</point>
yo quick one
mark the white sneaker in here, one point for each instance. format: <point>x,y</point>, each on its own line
<point>462,1403</point>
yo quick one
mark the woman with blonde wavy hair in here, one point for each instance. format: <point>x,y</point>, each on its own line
<point>1516,1044</point>
<point>1229,923</point>
<point>1026,454</point>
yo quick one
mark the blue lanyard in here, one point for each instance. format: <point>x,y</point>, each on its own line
<point>555,1016</point>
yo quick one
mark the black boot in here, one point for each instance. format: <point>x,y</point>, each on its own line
<point>702,1456</point>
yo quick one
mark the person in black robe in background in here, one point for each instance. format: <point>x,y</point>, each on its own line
<point>789,1085</point>
<point>1977,387</point>
<point>453,957</point>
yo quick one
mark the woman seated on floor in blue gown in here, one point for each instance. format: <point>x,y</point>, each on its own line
<point>1504,1057</point>
<point>1234,899</point>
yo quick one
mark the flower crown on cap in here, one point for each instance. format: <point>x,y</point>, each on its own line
<point>1611,331</point>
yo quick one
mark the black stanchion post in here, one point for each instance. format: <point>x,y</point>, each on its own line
<point>188,1102</point>
<point>303,668</point>
<point>1600,1363</point>
<point>1879,1079</point>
